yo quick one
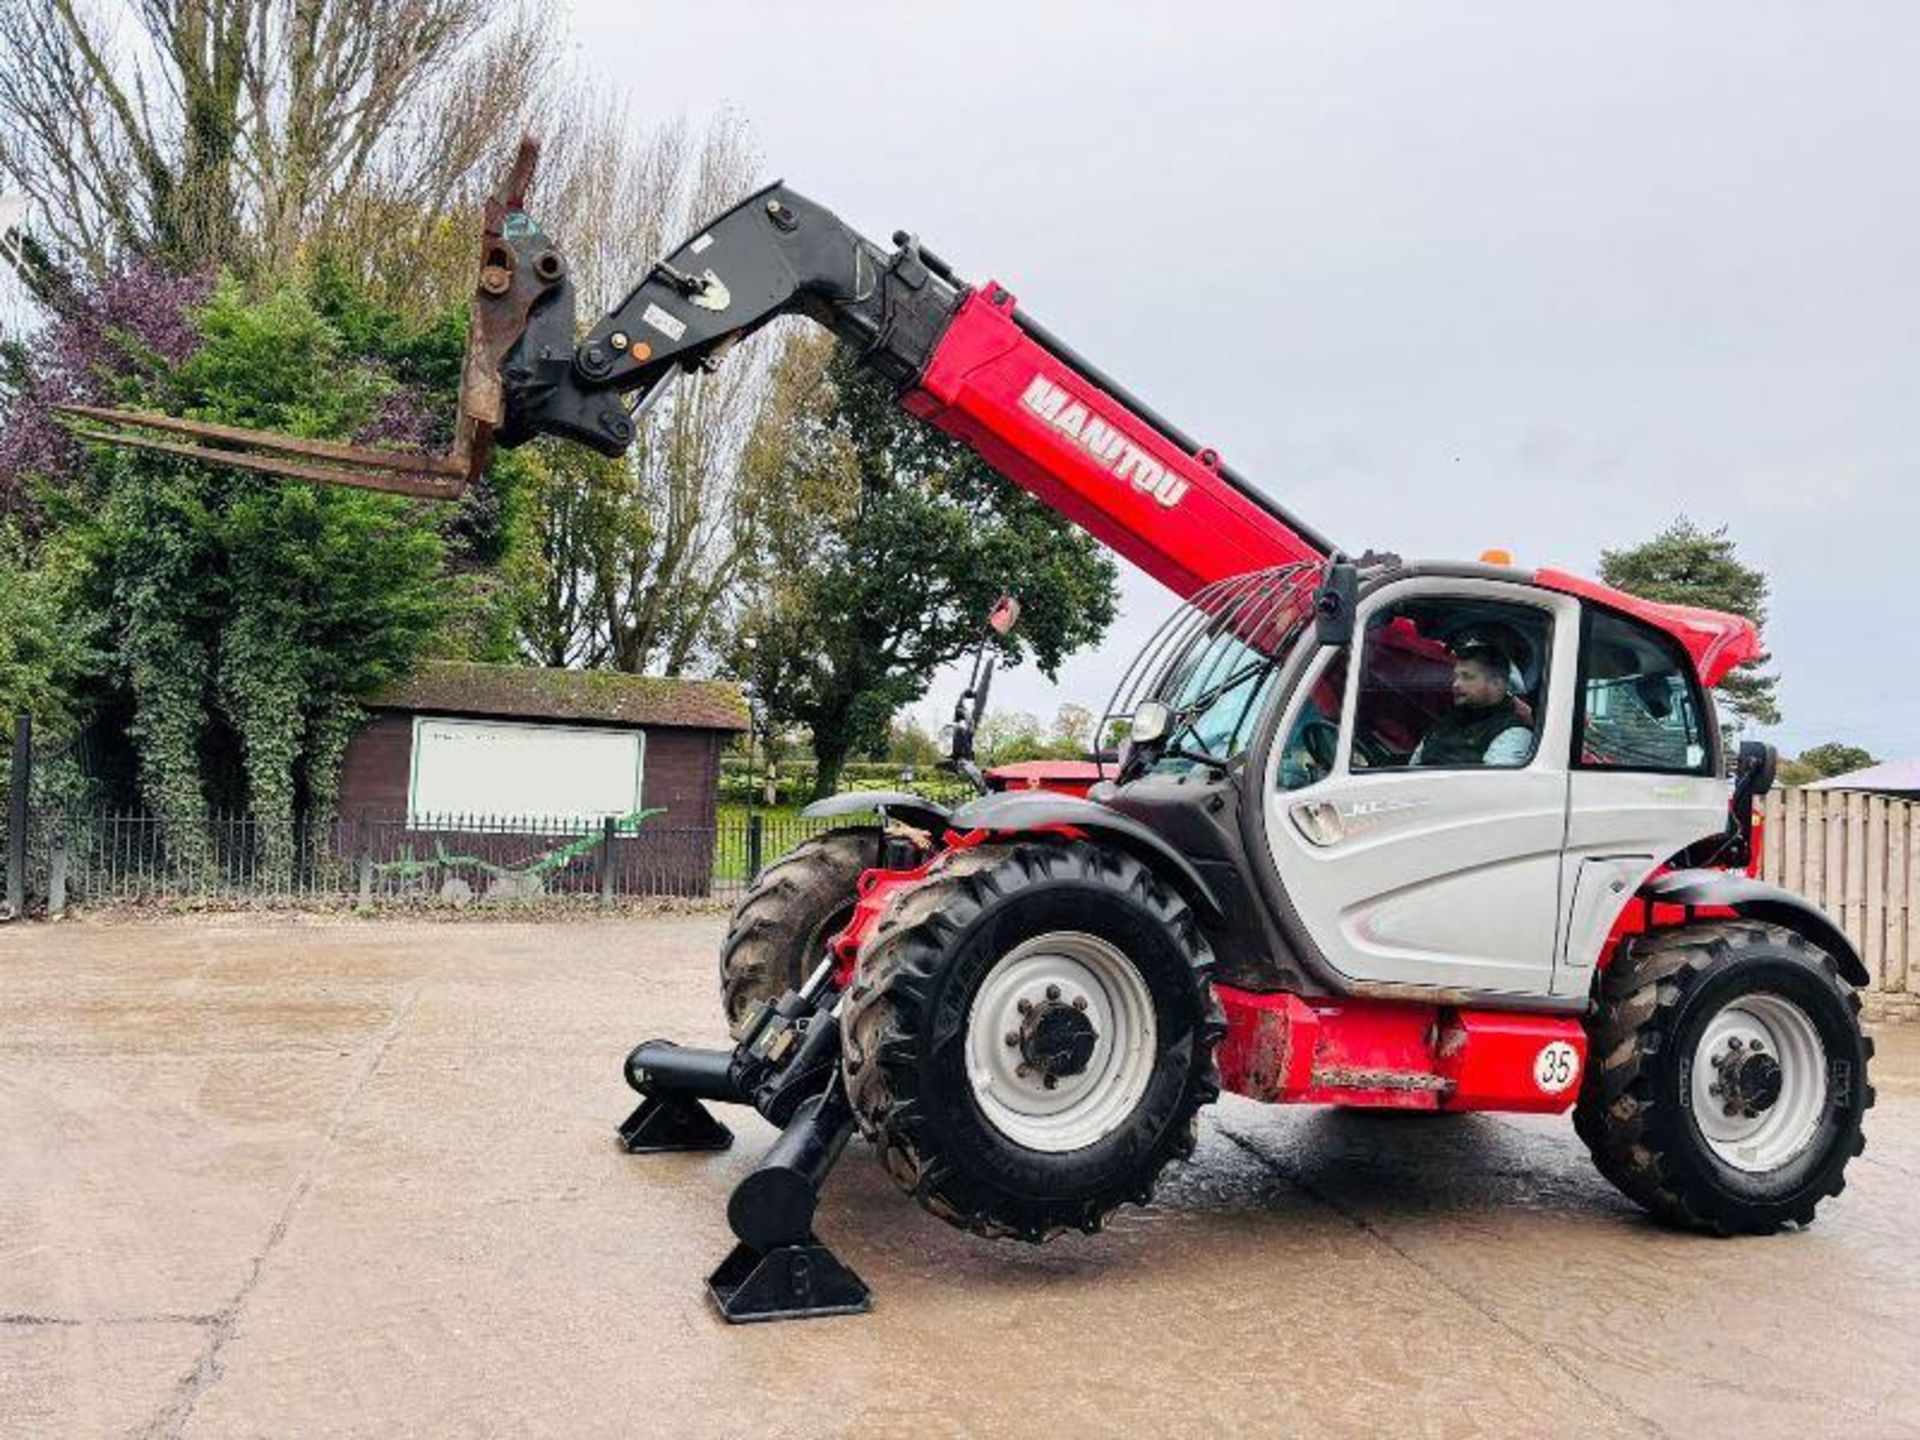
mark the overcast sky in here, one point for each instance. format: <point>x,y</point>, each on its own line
<point>1440,277</point>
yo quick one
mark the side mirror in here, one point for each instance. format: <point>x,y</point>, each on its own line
<point>1753,773</point>
<point>1755,768</point>
<point>1335,601</point>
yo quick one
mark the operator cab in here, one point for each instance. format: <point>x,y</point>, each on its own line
<point>1457,797</point>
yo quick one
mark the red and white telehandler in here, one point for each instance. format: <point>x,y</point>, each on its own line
<point>1436,836</point>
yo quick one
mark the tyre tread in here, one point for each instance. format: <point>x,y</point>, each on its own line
<point>1642,995</point>
<point>903,959</point>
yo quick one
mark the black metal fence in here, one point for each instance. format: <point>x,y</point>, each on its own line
<point>97,857</point>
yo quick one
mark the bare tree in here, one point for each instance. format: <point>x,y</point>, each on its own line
<point>218,131</point>
<point>250,132</point>
<point>640,558</point>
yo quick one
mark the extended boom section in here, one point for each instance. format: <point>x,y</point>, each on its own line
<point>964,359</point>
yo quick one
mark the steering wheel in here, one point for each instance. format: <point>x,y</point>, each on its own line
<point>1320,738</point>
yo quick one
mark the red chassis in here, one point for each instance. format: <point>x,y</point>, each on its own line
<point>1331,1050</point>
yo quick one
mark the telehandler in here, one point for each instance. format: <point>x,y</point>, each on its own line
<point>1429,836</point>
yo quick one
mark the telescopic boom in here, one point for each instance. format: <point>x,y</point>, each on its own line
<point>963,358</point>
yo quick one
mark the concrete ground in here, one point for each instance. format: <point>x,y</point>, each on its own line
<point>299,1177</point>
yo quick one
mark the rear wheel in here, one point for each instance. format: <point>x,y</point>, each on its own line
<point>1030,1036</point>
<point>780,928</point>
<point>1727,1080</point>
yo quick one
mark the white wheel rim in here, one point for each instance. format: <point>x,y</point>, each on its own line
<point>1062,968</point>
<point>1779,1134</point>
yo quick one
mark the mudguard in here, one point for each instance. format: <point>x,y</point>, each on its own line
<point>1757,900</point>
<point>915,810</point>
<point>1016,810</point>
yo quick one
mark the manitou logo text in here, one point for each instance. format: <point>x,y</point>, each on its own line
<point>1109,448</point>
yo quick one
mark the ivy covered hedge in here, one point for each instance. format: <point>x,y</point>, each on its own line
<point>229,622</point>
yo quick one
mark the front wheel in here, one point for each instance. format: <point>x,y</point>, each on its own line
<point>780,929</point>
<point>1727,1078</point>
<point>1030,1035</point>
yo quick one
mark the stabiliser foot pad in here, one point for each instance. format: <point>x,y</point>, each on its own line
<point>672,1122</point>
<point>787,1282</point>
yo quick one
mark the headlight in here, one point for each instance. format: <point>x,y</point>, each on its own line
<point>1150,723</point>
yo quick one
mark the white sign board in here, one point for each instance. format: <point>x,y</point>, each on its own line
<point>495,770</point>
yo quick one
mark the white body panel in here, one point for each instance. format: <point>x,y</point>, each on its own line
<point>1445,879</point>
<point>1621,826</point>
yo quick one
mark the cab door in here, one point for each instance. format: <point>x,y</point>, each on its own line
<point>1415,872</point>
<point>1646,779</point>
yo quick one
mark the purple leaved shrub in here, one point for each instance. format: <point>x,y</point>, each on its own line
<point>108,339</point>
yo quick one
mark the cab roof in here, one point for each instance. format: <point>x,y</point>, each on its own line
<point>1714,640</point>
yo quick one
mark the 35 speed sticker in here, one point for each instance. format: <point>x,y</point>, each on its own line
<point>1556,1067</point>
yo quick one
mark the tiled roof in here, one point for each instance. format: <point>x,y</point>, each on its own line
<point>600,696</point>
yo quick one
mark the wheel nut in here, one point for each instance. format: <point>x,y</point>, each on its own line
<point>1736,1044</point>
<point>1758,1047</point>
<point>1013,1041</point>
<point>1731,1108</point>
<point>1026,1007</point>
<point>1079,1002</point>
<point>1713,1089</point>
<point>1021,1071</point>
<point>1050,1081</point>
<point>1053,992</point>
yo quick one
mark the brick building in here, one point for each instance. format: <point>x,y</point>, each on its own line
<point>483,749</point>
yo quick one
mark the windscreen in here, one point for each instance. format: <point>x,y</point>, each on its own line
<point>1213,664</point>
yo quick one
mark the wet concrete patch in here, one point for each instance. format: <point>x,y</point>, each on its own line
<point>282,1178</point>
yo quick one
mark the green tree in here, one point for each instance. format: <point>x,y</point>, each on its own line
<point>242,615</point>
<point>1823,762</point>
<point>881,545</point>
<point>46,640</point>
<point>1071,735</point>
<point>910,743</point>
<point>1009,736</point>
<point>1687,565</point>
<point>632,563</point>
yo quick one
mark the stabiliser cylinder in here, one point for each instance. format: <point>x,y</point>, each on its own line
<point>774,1204</point>
<point>660,1067</point>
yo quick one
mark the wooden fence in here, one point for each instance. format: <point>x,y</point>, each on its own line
<point>1858,857</point>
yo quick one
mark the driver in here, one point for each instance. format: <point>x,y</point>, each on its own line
<point>1487,725</point>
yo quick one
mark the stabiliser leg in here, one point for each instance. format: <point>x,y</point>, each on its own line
<point>673,1080</point>
<point>780,1270</point>
<point>786,1066</point>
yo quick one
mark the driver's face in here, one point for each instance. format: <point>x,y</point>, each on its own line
<point>1474,684</point>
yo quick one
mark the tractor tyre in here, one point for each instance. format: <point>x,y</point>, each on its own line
<point>1030,1035</point>
<point>1726,1077</point>
<point>780,928</point>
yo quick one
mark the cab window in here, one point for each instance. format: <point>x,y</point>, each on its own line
<point>1640,705</point>
<point>1307,756</point>
<point>1452,682</point>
